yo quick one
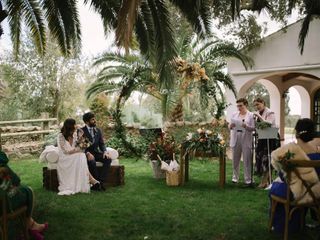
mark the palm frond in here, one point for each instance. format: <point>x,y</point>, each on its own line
<point>31,11</point>
<point>118,68</point>
<point>198,14</point>
<point>97,88</point>
<point>15,21</point>
<point>312,9</point>
<point>203,47</point>
<point>304,31</point>
<point>64,24</point>
<point>225,50</point>
<point>183,44</point>
<point>126,21</point>
<point>116,57</point>
<point>165,48</point>
<point>108,11</point>
<point>107,77</point>
<point>145,31</point>
<point>225,79</point>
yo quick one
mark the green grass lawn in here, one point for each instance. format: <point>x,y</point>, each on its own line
<point>145,208</point>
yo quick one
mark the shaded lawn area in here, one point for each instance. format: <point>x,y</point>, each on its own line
<point>145,208</point>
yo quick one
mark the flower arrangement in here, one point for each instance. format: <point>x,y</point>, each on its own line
<point>83,142</point>
<point>6,185</point>
<point>283,160</point>
<point>204,141</point>
<point>263,125</point>
<point>190,72</point>
<point>164,146</point>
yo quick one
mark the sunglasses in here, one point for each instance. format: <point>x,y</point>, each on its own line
<point>241,105</point>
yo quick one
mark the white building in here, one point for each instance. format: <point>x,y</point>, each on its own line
<point>278,65</point>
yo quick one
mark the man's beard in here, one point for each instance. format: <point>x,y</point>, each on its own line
<point>92,124</point>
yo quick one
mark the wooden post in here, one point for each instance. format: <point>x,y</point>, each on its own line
<point>186,174</point>
<point>182,166</point>
<point>45,124</point>
<point>222,167</point>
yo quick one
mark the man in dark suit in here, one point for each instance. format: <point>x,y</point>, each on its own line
<point>97,151</point>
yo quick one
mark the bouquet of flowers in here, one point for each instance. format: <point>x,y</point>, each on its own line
<point>263,125</point>
<point>204,141</point>
<point>83,142</point>
<point>164,146</point>
<point>283,160</point>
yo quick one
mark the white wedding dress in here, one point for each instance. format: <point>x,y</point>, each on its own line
<point>73,172</point>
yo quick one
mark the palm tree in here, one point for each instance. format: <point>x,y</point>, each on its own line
<point>122,74</point>
<point>211,54</point>
<point>61,17</point>
<point>149,20</point>
<point>127,73</point>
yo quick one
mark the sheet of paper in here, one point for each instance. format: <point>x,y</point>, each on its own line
<point>238,124</point>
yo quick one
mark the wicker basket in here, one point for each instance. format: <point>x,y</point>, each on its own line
<point>173,178</point>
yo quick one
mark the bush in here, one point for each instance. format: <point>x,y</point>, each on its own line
<point>139,143</point>
<point>51,139</point>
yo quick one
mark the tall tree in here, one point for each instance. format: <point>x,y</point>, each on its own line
<point>52,84</point>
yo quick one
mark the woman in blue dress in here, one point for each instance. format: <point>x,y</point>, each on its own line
<point>303,149</point>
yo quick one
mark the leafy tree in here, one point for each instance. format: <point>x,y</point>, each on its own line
<point>258,90</point>
<point>255,91</point>
<point>52,84</point>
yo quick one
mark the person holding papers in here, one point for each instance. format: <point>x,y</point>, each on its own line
<point>264,114</point>
<point>241,127</point>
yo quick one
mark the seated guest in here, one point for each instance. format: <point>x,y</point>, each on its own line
<point>19,195</point>
<point>72,168</point>
<point>316,143</point>
<point>302,150</point>
<point>97,152</point>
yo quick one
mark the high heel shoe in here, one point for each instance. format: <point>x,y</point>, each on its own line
<point>36,235</point>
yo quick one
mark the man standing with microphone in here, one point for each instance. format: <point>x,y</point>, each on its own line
<point>241,128</point>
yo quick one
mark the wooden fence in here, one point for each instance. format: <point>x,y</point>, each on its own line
<point>45,128</point>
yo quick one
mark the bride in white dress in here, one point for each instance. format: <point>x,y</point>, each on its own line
<point>73,172</point>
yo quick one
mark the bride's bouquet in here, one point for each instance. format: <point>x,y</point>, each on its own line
<point>82,141</point>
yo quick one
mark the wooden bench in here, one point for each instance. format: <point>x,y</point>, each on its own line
<point>114,178</point>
